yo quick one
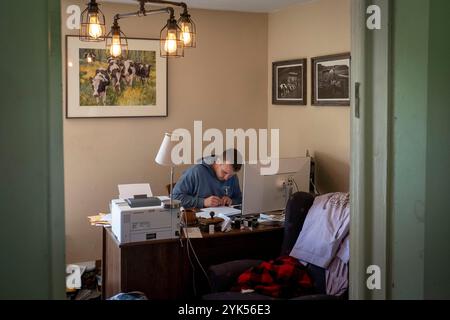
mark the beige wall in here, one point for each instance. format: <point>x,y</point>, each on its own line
<point>222,82</point>
<point>226,82</point>
<point>305,31</point>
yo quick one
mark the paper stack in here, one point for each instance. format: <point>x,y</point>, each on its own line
<point>227,211</point>
<point>100,220</point>
<point>270,219</point>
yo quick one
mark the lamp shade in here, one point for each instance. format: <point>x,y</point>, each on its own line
<point>164,156</point>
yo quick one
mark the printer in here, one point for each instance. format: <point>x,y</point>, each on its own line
<point>133,224</point>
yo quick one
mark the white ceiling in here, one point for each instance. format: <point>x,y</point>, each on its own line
<point>233,5</point>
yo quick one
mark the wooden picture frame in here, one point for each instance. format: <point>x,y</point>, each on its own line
<point>331,80</point>
<point>98,86</point>
<point>289,82</point>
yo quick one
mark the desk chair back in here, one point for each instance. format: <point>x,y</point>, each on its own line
<point>297,209</point>
<point>295,214</point>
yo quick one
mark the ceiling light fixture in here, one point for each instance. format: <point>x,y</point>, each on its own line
<point>92,23</point>
<point>174,37</point>
<point>116,42</point>
<point>188,29</point>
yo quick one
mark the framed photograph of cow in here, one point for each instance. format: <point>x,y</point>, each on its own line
<point>331,80</point>
<point>100,86</point>
<point>289,82</point>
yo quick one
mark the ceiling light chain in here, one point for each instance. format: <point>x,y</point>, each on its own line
<point>174,37</point>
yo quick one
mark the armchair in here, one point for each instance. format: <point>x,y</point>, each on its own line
<point>224,276</point>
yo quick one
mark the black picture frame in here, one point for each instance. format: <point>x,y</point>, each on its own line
<point>331,80</point>
<point>289,82</point>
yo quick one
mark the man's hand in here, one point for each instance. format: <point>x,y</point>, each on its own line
<point>212,201</point>
<point>226,201</point>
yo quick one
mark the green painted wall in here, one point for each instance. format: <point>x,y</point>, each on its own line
<point>31,184</point>
<point>420,206</point>
<point>408,146</point>
<point>437,220</point>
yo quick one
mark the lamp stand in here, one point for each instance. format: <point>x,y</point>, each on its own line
<point>171,186</point>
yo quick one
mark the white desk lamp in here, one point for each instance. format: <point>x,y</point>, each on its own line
<point>164,158</point>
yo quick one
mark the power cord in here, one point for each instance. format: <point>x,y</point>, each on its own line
<point>296,185</point>
<point>298,189</point>
<point>288,191</point>
<point>314,186</point>
<point>191,247</point>
<point>199,263</point>
<point>184,227</point>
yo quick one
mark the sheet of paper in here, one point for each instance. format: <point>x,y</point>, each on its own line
<point>266,217</point>
<point>202,214</point>
<point>130,190</point>
<point>107,218</point>
<point>192,233</point>
<point>227,211</point>
<point>100,219</point>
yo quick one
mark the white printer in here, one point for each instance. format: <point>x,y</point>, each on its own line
<point>143,223</point>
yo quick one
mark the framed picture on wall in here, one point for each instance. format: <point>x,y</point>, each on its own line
<point>331,80</point>
<point>289,82</point>
<point>99,86</point>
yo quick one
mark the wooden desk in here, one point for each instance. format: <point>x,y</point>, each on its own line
<point>161,269</point>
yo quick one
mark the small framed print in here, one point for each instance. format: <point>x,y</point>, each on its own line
<point>331,80</point>
<point>289,82</point>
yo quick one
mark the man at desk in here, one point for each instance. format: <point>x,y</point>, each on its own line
<point>212,183</point>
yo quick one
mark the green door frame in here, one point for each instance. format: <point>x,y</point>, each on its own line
<point>56,155</point>
<point>369,149</point>
<point>31,140</point>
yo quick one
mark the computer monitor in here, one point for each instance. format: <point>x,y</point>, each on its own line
<point>267,193</point>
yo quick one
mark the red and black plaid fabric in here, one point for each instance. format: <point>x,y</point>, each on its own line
<point>283,277</point>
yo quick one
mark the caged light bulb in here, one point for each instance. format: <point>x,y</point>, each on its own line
<point>186,34</point>
<point>116,48</point>
<point>170,45</point>
<point>95,30</point>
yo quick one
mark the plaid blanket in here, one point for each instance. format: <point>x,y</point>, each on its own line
<point>283,277</point>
